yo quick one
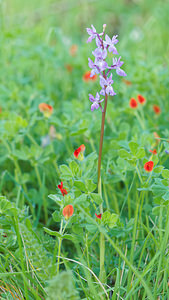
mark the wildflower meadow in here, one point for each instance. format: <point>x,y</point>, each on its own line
<point>84,150</point>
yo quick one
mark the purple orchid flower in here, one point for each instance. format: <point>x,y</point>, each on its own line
<point>95,101</point>
<point>167,151</point>
<point>99,42</point>
<point>100,56</point>
<point>92,32</point>
<point>116,65</point>
<point>106,86</point>
<point>99,53</point>
<point>100,66</point>
<point>110,43</point>
<point>95,70</point>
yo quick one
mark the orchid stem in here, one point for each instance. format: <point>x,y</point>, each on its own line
<point>102,240</point>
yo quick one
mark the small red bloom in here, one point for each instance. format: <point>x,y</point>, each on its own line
<point>98,216</point>
<point>86,76</point>
<point>153,151</point>
<point>149,166</point>
<point>73,50</point>
<point>156,109</point>
<point>60,187</point>
<point>79,151</point>
<point>69,68</point>
<point>46,109</point>
<point>141,99</point>
<point>68,211</point>
<point>127,82</point>
<point>133,103</point>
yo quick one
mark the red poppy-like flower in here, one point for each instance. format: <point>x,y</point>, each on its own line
<point>73,50</point>
<point>156,109</point>
<point>78,153</point>
<point>46,109</point>
<point>127,82</point>
<point>153,151</point>
<point>98,216</point>
<point>149,166</point>
<point>141,99</point>
<point>133,103</point>
<point>68,211</point>
<point>86,76</point>
<point>69,68</point>
<point>60,187</point>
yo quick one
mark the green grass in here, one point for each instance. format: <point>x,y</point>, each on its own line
<point>35,39</point>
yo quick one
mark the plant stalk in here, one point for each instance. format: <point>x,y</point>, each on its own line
<point>102,240</point>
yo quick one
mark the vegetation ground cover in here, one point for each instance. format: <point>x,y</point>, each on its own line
<point>44,59</point>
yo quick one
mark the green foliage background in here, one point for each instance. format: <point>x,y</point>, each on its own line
<point>35,39</point>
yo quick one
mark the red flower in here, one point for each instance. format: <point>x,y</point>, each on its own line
<point>149,166</point>
<point>98,216</point>
<point>156,109</point>
<point>46,109</point>
<point>127,82</point>
<point>68,211</point>
<point>73,50</point>
<point>78,153</point>
<point>141,99</point>
<point>153,151</point>
<point>69,68</point>
<point>86,76</point>
<point>63,191</point>
<point>133,103</point>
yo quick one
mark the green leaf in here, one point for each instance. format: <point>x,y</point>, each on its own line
<point>165,174</point>
<point>90,186</point>
<point>66,173</point>
<point>72,237</point>
<point>78,132</point>
<point>109,219</point>
<point>55,198</point>
<point>53,233</point>
<point>140,153</point>
<point>159,189</point>
<point>91,228</point>
<point>133,147</point>
<point>80,185</point>
<point>56,216</point>
<point>82,199</point>
<point>158,169</point>
<point>96,198</point>
<point>74,168</point>
<point>166,196</point>
<point>124,154</point>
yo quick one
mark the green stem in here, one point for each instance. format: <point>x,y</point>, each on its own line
<point>140,120</point>
<point>105,195</point>
<point>21,253</point>
<point>138,172</point>
<point>102,240</point>
<point>59,247</point>
<point>44,199</point>
<point>32,140</point>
